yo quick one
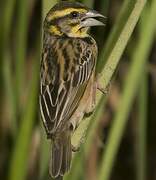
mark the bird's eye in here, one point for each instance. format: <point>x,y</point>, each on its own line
<point>74,14</point>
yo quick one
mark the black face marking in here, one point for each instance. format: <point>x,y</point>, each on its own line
<point>57,20</point>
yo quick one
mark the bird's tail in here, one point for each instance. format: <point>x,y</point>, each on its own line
<point>61,155</point>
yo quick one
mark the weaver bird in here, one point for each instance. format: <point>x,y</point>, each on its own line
<point>67,77</point>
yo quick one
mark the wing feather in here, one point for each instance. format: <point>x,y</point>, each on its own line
<point>60,97</point>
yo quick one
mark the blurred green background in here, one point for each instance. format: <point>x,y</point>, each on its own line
<point>120,140</point>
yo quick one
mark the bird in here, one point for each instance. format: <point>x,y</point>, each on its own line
<point>67,77</point>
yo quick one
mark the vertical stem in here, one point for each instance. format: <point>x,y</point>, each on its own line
<point>142,130</point>
<point>19,160</point>
<point>131,84</point>
<point>21,41</point>
<point>5,63</point>
<point>89,3</point>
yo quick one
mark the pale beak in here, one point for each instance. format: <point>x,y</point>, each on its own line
<point>89,19</point>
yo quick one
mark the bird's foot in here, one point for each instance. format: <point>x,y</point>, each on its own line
<point>101,88</point>
<point>75,149</point>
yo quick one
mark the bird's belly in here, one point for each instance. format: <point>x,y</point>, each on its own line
<point>86,104</point>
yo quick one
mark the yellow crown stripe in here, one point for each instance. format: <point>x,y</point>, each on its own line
<point>61,13</point>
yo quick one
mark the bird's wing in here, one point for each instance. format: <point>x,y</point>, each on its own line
<point>65,71</point>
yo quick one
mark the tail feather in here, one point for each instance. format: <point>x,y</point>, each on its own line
<point>66,159</point>
<point>56,159</point>
<point>61,156</point>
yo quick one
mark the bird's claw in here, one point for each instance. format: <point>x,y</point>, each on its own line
<point>103,90</point>
<point>75,149</point>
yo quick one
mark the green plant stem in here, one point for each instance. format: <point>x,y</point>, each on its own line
<point>113,58</point>
<point>132,81</point>
<point>142,114</point>
<point>18,165</point>
<point>121,43</point>
<point>122,18</point>
<point>6,22</point>
<point>118,45</point>
<point>90,132</point>
<point>9,92</point>
<point>21,42</point>
<point>142,130</point>
<point>5,64</point>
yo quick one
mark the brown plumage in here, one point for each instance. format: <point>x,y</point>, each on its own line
<point>67,78</point>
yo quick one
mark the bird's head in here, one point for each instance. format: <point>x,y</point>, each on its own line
<point>71,19</point>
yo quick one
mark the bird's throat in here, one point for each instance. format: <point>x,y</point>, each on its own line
<point>73,32</point>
